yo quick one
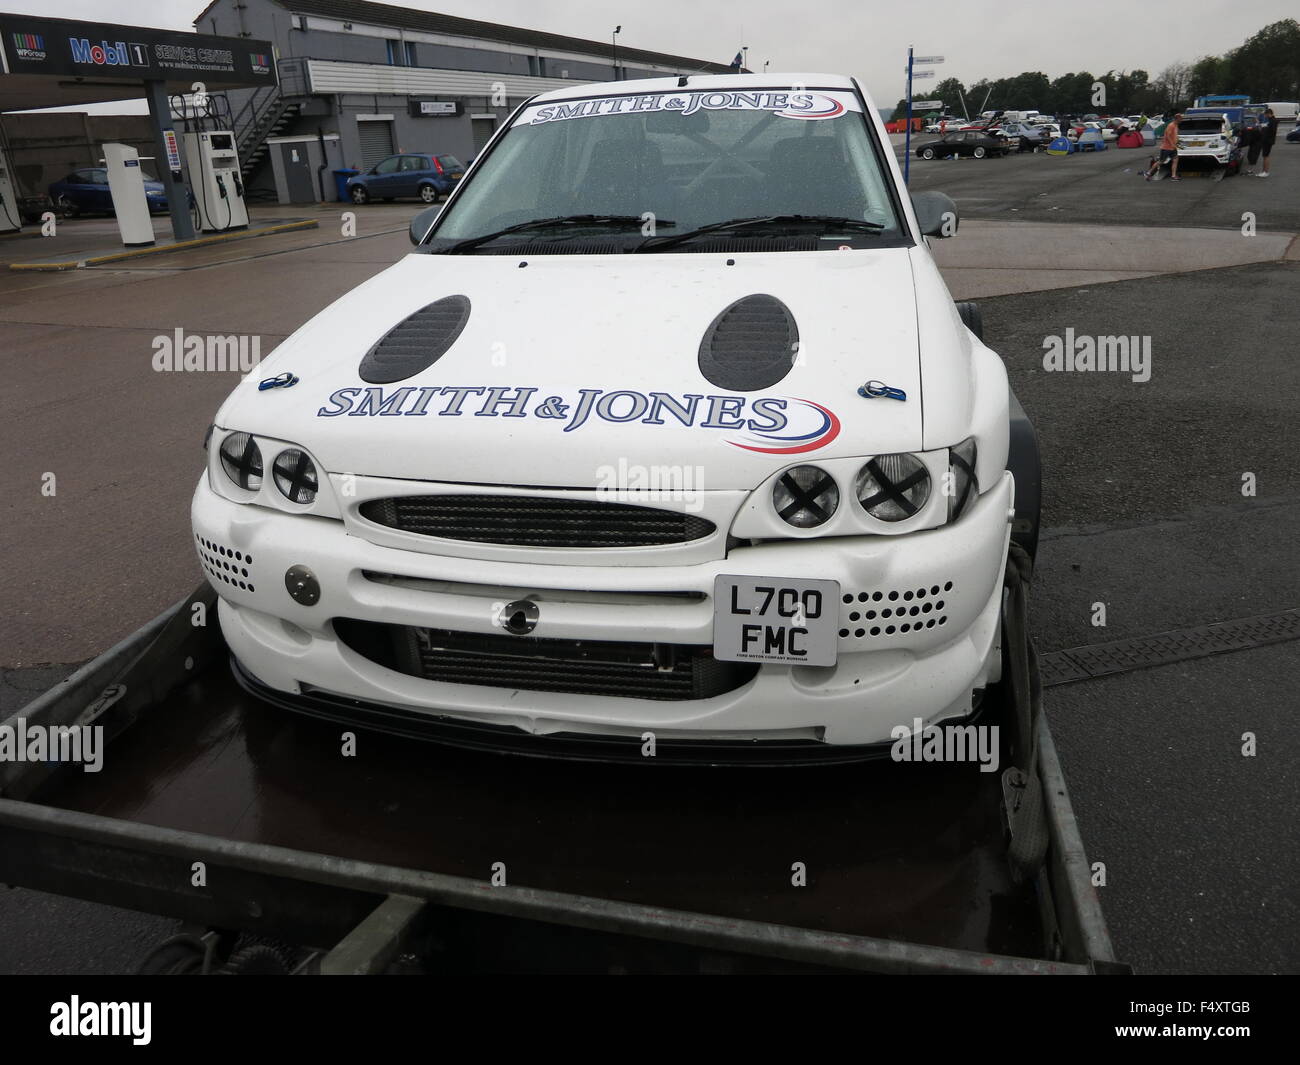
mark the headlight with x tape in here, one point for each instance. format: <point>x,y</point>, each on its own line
<point>273,473</point>
<point>891,493</point>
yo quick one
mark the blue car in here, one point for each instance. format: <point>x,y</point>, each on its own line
<point>86,190</point>
<point>400,176</point>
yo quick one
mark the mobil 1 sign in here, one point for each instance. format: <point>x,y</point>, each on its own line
<point>775,619</point>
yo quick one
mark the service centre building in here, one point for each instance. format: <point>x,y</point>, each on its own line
<point>361,81</point>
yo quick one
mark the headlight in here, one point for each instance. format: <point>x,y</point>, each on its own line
<point>960,485</point>
<point>242,461</point>
<point>295,475</point>
<point>893,487</point>
<point>805,496</point>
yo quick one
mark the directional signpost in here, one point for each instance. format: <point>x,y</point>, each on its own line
<point>912,75</point>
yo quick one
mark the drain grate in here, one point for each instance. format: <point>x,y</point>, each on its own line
<point>1162,648</point>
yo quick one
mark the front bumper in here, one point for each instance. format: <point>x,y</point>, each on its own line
<point>879,682</point>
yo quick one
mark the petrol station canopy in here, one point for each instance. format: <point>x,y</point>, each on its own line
<point>49,62</point>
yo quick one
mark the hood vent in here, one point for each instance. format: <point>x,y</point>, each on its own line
<point>741,242</point>
<point>417,342</point>
<point>559,247</point>
<point>751,345</point>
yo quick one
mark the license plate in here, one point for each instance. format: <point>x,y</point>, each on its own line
<point>457,176</point>
<point>775,619</point>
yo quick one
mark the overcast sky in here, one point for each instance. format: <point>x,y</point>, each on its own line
<point>867,38</point>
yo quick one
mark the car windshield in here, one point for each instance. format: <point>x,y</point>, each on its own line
<point>688,158</point>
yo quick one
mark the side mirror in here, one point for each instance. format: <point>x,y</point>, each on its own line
<point>935,213</point>
<point>422,223</point>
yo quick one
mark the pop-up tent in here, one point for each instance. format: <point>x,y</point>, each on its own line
<point>1129,139</point>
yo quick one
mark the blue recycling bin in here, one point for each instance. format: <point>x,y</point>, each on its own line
<point>341,182</point>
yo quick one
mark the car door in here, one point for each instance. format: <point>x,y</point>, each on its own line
<point>409,172</point>
<point>383,180</point>
<point>101,197</point>
<point>81,190</point>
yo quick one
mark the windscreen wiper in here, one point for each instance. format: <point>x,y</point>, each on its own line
<point>776,221</point>
<point>559,221</point>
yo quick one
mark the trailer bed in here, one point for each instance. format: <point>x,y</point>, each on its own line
<point>913,856</point>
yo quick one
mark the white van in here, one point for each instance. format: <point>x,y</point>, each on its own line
<point>668,425</point>
<point>1284,112</point>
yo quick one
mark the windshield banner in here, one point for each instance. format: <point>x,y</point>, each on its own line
<point>783,103</point>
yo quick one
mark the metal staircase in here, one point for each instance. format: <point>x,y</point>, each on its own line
<point>267,112</point>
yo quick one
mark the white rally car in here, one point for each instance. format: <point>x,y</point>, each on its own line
<point>1207,138</point>
<point>667,426</point>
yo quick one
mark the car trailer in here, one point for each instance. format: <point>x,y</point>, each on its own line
<point>279,854</point>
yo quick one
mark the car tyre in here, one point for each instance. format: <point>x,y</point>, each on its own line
<point>428,194</point>
<point>927,153</point>
<point>359,194</point>
<point>979,151</point>
<point>971,318</point>
<point>67,207</point>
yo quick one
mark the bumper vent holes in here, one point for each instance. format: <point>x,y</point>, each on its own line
<point>913,610</point>
<point>222,563</point>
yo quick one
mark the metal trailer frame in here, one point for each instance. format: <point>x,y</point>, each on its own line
<point>367,913</point>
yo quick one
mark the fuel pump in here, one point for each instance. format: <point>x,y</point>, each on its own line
<point>10,220</point>
<point>130,201</point>
<point>214,176</point>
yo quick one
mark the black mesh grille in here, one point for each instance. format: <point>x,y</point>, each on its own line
<point>530,521</point>
<point>416,342</point>
<point>576,667</point>
<point>750,345</point>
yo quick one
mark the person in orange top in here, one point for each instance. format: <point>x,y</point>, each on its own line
<point>1169,145</point>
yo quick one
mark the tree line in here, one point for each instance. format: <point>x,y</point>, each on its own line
<point>1265,67</point>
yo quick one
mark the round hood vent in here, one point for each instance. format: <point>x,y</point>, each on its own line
<point>750,345</point>
<point>417,342</point>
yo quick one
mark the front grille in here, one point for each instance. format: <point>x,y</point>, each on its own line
<point>531,521</point>
<point>576,667</point>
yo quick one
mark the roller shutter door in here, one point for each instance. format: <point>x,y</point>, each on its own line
<point>376,142</point>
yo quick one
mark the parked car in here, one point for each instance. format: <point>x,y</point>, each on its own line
<point>944,123</point>
<point>1079,128</point>
<point>86,191</point>
<point>1028,136</point>
<point>407,531</point>
<point>1207,140</point>
<point>974,143</point>
<point>407,176</point>
<point>1294,136</point>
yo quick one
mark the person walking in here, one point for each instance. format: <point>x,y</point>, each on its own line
<point>1169,146</point>
<point>1267,135</point>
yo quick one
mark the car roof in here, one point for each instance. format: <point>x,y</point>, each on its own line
<point>701,82</point>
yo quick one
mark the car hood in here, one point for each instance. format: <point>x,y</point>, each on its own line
<point>154,186</point>
<point>575,330</point>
